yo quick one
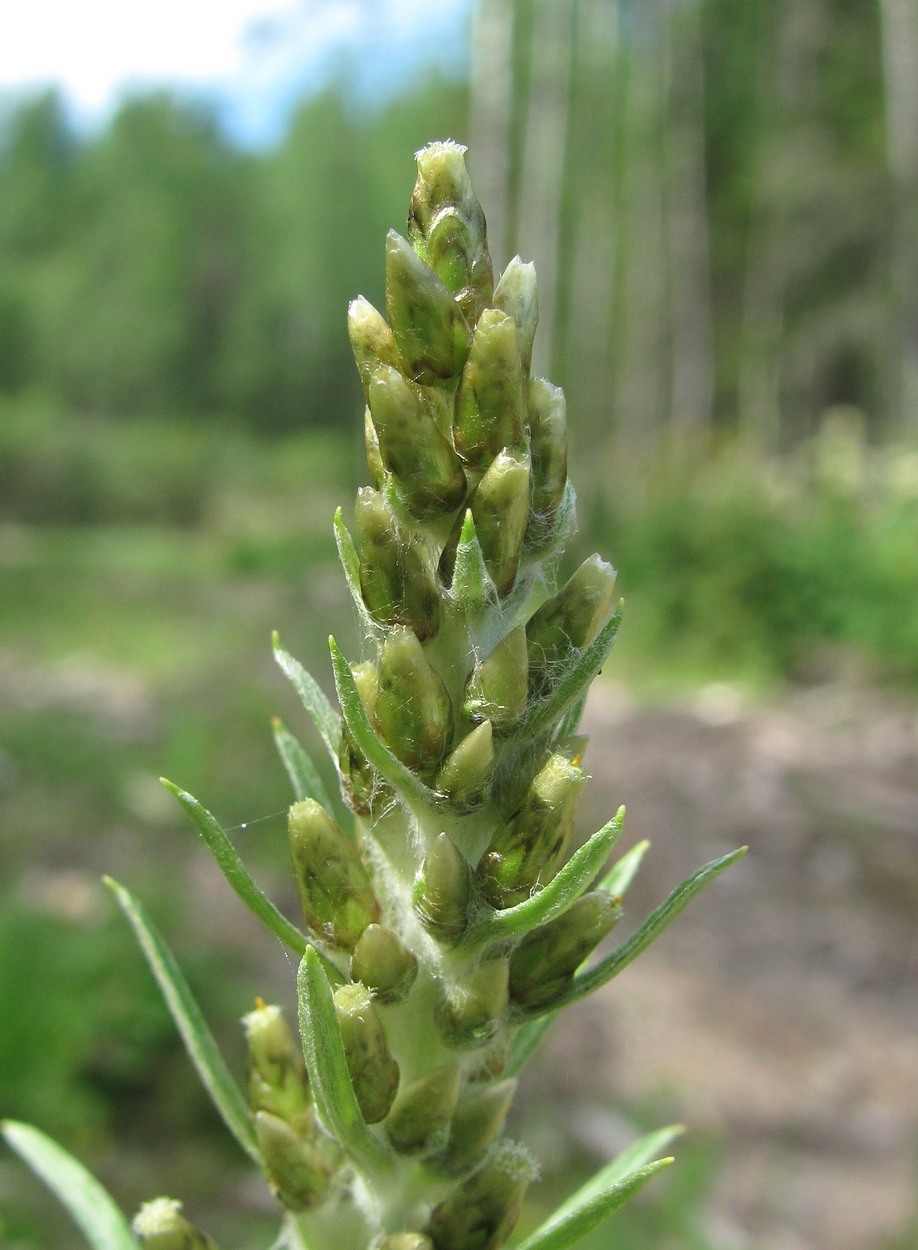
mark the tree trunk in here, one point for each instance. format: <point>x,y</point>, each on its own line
<point>691,398</point>
<point>490,117</point>
<point>900,62</point>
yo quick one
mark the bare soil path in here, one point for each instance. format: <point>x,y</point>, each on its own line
<point>781,1010</point>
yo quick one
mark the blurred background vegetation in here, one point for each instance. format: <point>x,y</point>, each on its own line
<point>721,198</point>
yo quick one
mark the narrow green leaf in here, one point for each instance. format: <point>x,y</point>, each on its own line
<point>303,774</point>
<point>471,585</point>
<point>586,982</point>
<point>324,716</point>
<point>350,563</point>
<point>557,896</point>
<point>91,1207</point>
<point>389,767</point>
<point>560,1231</point>
<point>550,709</point>
<point>622,873</point>
<point>570,721</point>
<point>637,1155</point>
<point>525,1041</point>
<point>328,1072</point>
<point>198,1039</point>
<point>235,871</point>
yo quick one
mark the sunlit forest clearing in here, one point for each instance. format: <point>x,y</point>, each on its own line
<point>721,198</point>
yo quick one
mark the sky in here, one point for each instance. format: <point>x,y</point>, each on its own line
<point>253,57</point>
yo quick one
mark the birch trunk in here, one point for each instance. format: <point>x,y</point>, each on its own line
<point>900,63</point>
<point>691,398</point>
<point>544,157</point>
<point>491,115</point>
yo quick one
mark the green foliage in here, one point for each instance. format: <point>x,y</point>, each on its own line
<point>794,569</point>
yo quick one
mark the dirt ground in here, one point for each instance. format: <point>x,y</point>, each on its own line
<point>780,1012</point>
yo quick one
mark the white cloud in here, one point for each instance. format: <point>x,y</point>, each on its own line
<point>95,49</point>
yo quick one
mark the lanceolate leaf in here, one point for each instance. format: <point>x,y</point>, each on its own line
<point>582,1215</point>
<point>557,896</point>
<point>590,661</point>
<point>324,716</point>
<point>198,1039</point>
<point>622,873</point>
<point>236,872</point>
<point>391,769</point>
<point>303,774</point>
<point>91,1207</point>
<point>328,1072</point>
<point>350,563</point>
<point>586,982</point>
<point>635,1156</point>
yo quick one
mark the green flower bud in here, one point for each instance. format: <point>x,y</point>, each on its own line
<point>465,777</point>
<point>374,1073</point>
<point>424,466</point>
<point>277,1074</point>
<point>517,294</point>
<point>372,342</point>
<point>477,1123</point>
<point>384,964</point>
<point>482,1212</point>
<point>405,1241</point>
<point>429,328</point>
<point>571,619</point>
<point>446,227</point>
<point>298,1169</point>
<point>544,963</point>
<point>500,507</point>
<point>160,1225</point>
<point>490,404</point>
<point>335,891</point>
<point>529,849</point>
<point>422,1111</point>
<point>413,710</point>
<point>472,1014</point>
<point>499,686</point>
<point>548,449</point>
<point>442,891</point>
<point>397,580</point>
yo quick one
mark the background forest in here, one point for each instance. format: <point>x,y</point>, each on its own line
<point>721,198</point>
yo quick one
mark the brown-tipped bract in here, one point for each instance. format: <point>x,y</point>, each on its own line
<point>500,507</point>
<point>277,1073</point>
<point>430,330</point>
<point>499,685</point>
<point>483,1211</point>
<point>491,403</point>
<point>464,778</point>
<point>397,580</point>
